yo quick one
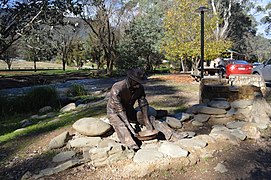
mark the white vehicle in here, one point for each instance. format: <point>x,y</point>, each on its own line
<point>264,70</point>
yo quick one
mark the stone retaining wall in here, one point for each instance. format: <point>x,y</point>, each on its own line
<point>235,88</point>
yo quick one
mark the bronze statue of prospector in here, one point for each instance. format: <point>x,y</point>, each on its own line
<point>121,112</point>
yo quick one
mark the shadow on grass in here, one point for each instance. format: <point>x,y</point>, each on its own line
<point>9,142</point>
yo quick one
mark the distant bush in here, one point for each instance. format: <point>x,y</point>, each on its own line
<point>4,104</point>
<point>30,102</point>
<point>40,97</point>
<point>76,90</point>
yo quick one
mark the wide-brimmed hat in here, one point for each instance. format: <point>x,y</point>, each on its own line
<point>137,75</point>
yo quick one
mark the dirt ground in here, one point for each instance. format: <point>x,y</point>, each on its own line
<point>249,160</point>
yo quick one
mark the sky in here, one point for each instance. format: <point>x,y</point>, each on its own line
<point>258,16</point>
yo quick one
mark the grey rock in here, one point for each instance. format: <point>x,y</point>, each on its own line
<point>154,145</point>
<point>190,134</point>
<point>239,134</point>
<point>151,111</point>
<point>173,122</point>
<point>34,116</point>
<point>223,133</point>
<point>57,169</point>
<point>26,122</point>
<point>241,104</point>
<point>201,117</point>
<point>262,126</point>
<point>251,131</point>
<point>99,154</point>
<point>108,155</point>
<point>86,155</point>
<point>26,176</point>
<point>63,156</point>
<point>107,143</point>
<point>219,104</point>
<point>51,114</point>
<point>219,121</point>
<point>194,109</point>
<point>197,123</point>
<point>91,126</point>
<point>45,109</point>
<point>68,108</point>
<point>201,109</point>
<point>210,110</point>
<point>219,99</point>
<point>235,124</point>
<point>191,143</point>
<point>172,150</point>
<point>221,168</point>
<point>231,112</point>
<point>183,116</point>
<point>81,106</point>
<point>147,156</point>
<point>84,142</point>
<point>59,141</point>
<point>206,138</point>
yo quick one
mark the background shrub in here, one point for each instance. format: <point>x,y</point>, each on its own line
<point>39,97</point>
<point>31,102</point>
<point>76,90</point>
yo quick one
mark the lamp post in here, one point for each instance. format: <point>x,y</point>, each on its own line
<point>202,9</point>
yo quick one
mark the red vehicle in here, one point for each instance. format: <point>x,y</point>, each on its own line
<point>238,67</point>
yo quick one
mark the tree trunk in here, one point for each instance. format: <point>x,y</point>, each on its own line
<point>63,62</point>
<point>195,65</point>
<point>35,66</point>
<point>63,65</point>
<point>9,65</point>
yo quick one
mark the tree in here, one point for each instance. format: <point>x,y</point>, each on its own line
<point>267,18</point>
<point>259,48</point>
<point>18,18</point>
<point>77,55</point>
<point>182,33</point>
<point>64,37</point>
<point>9,55</point>
<point>234,21</point>
<point>141,42</point>
<point>38,45</point>
<point>103,17</point>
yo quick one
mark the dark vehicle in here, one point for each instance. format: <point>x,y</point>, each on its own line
<point>264,70</point>
<point>238,67</point>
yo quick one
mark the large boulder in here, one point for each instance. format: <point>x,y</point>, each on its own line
<point>91,126</point>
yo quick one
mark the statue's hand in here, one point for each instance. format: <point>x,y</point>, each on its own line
<point>123,117</point>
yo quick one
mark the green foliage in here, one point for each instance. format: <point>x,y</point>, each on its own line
<point>76,90</point>
<point>40,97</point>
<point>182,32</point>
<point>77,55</point>
<point>267,18</point>
<point>140,46</point>
<point>4,103</point>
